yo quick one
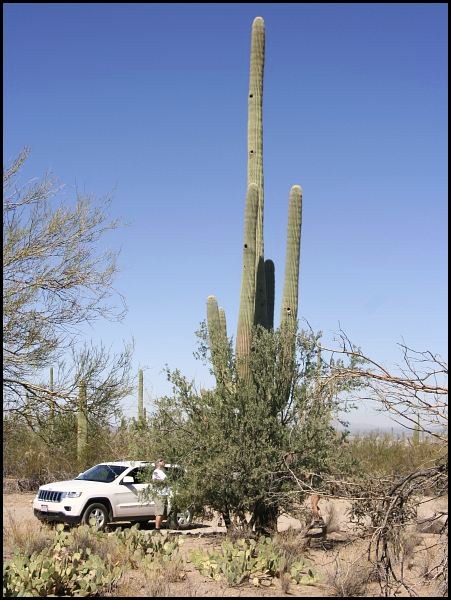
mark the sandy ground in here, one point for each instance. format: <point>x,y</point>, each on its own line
<point>323,554</point>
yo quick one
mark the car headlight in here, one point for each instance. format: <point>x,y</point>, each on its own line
<point>71,495</point>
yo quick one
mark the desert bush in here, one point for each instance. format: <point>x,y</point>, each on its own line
<point>384,454</point>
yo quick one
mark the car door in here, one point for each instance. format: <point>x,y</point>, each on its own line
<point>129,501</point>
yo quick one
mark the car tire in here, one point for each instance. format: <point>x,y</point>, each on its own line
<point>98,513</point>
<point>181,518</point>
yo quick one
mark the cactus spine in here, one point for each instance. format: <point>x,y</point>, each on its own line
<point>140,397</point>
<point>82,425</point>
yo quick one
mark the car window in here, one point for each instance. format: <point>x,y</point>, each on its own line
<point>142,474</point>
<point>102,473</point>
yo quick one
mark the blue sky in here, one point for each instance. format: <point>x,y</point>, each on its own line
<point>149,102</point>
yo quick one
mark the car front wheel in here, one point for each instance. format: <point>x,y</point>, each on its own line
<point>96,515</point>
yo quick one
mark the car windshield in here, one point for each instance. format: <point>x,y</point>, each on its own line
<point>102,473</point>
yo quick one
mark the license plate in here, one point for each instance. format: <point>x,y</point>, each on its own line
<point>44,508</point>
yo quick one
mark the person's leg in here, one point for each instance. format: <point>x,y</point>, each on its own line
<point>159,512</point>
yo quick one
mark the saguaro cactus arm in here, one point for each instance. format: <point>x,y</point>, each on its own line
<point>289,308</point>
<point>270,291</point>
<point>247,297</point>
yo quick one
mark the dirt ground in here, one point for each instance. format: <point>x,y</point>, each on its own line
<point>332,559</point>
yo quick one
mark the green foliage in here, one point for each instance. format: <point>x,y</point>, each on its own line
<point>233,440</point>
<point>384,454</point>
<point>248,559</point>
<point>140,544</point>
<point>58,571</point>
<point>83,562</point>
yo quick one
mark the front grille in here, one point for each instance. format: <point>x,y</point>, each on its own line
<point>49,496</point>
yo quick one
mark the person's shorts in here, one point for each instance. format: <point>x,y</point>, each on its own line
<point>160,504</point>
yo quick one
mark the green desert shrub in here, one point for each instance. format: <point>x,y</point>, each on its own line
<point>250,560</point>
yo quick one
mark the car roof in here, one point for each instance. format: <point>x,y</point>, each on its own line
<point>125,463</point>
<point>133,463</point>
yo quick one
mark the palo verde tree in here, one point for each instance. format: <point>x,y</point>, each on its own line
<point>235,440</point>
<point>55,279</point>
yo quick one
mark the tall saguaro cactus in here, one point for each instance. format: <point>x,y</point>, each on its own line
<point>255,158</point>
<point>257,294</point>
<point>82,425</point>
<point>140,397</point>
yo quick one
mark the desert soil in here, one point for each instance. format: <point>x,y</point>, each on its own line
<point>209,534</point>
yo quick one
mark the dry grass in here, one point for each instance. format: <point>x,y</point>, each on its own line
<point>350,573</point>
<point>26,537</point>
<point>291,544</point>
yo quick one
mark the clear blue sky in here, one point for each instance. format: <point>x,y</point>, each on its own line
<point>149,101</point>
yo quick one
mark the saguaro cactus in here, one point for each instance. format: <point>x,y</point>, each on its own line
<point>140,397</point>
<point>52,405</point>
<point>258,281</point>
<point>255,158</point>
<point>289,309</point>
<point>247,298</point>
<point>217,333</point>
<point>82,425</point>
<point>270,291</point>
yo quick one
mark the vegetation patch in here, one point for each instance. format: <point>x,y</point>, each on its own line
<point>251,560</point>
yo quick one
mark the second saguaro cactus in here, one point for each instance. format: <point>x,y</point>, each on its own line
<point>140,396</point>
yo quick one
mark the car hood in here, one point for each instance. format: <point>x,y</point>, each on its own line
<point>72,485</point>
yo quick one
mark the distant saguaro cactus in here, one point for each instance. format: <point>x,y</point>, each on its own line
<point>82,425</point>
<point>52,405</point>
<point>140,396</point>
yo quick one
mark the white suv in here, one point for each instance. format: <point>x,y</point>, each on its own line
<point>108,492</point>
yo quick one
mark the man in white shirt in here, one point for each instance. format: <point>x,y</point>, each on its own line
<point>158,478</point>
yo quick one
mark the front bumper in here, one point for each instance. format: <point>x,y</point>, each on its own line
<point>58,517</point>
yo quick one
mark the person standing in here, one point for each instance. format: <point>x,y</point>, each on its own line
<point>158,479</point>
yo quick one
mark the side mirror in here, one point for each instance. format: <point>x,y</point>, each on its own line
<point>128,479</point>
